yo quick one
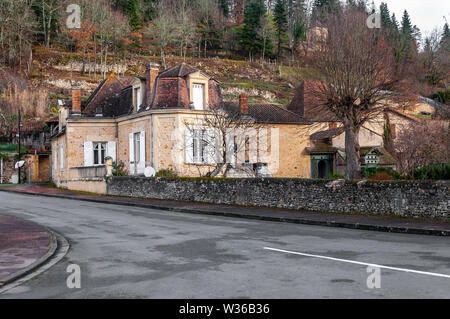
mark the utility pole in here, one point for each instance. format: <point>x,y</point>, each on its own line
<point>19,142</point>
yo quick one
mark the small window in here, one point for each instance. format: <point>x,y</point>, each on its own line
<point>99,153</point>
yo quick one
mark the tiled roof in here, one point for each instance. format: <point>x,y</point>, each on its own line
<point>321,148</point>
<point>267,113</point>
<point>322,135</point>
<point>180,70</point>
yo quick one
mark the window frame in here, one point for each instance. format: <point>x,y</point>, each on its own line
<point>99,158</point>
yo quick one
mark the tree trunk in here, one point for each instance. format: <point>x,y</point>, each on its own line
<point>352,151</point>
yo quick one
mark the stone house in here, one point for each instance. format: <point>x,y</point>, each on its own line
<point>144,121</point>
<point>326,147</point>
<point>158,120</point>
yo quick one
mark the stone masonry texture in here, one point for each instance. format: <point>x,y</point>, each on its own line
<point>416,199</point>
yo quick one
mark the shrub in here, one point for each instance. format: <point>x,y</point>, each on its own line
<point>119,169</point>
<point>381,176</point>
<point>432,171</point>
<point>335,176</point>
<point>370,172</point>
<point>167,173</point>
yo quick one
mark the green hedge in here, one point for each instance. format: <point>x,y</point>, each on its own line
<point>432,172</point>
<point>11,148</point>
<point>369,172</point>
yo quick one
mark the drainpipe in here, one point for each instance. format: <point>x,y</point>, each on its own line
<point>151,141</point>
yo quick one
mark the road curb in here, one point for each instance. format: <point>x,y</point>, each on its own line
<point>39,262</point>
<point>304,221</point>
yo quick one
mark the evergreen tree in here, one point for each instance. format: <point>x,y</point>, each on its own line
<point>251,41</point>
<point>385,16</point>
<point>395,25</point>
<point>445,34</point>
<point>132,10</point>
<point>407,27</point>
<point>322,7</point>
<point>225,8</point>
<point>280,19</point>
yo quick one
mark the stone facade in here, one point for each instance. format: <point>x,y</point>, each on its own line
<point>416,199</point>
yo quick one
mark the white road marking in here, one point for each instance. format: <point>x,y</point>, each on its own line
<point>359,263</point>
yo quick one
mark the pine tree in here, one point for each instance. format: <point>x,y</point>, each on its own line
<point>395,24</point>
<point>407,27</point>
<point>251,41</point>
<point>445,34</point>
<point>385,15</point>
<point>225,8</point>
<point>325,5</point>
<point>280,19</point>
<point>133,13</point>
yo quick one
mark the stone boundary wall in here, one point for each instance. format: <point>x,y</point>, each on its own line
<point>417,199</point>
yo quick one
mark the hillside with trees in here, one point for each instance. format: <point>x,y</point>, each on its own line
<point>264,48</point>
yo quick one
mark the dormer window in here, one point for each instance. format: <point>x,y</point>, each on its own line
<point>198,90</point>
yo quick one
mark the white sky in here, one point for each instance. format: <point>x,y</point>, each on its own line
<point>426,14</point>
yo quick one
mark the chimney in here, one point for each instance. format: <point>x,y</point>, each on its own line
<point>298,102</point>
<point>151,72</point>
<point>243,103</point>
<point>76,99</point>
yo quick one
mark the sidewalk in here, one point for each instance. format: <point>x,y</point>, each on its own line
<point>23,247</point>
<point>386,224</point>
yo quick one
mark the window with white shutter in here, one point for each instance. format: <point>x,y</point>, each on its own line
<point>200,146</point>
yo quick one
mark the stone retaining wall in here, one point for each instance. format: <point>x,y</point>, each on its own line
<point>419,199</point>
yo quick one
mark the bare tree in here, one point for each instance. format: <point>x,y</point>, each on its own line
<point>422,144</point>
<point>163,27</point>
<point>355,77</point>
<point>266,31</point>
<point>49,14</point>
<point>226,136</point>
<point>185,26</point>
<point>16,30</point>
<point>430,57</point>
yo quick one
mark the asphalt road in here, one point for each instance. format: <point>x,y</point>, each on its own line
<point>126,252</point>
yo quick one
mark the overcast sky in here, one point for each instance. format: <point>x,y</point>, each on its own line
<point>426,14</point>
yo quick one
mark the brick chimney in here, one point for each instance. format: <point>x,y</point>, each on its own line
<point>151,72</point>
<point>243,103</point>
<point>298,102</point>
<point>76,99</point>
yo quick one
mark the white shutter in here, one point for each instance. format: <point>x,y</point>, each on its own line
<point>88,154</point>
<point>209,151</point>
<point>55,157</point>
<point>219,146</point>
<point>131,150</point>
<point>61,154</point>
<point>141,166</point>
<point>111,150</point>
<point>188,146</point>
